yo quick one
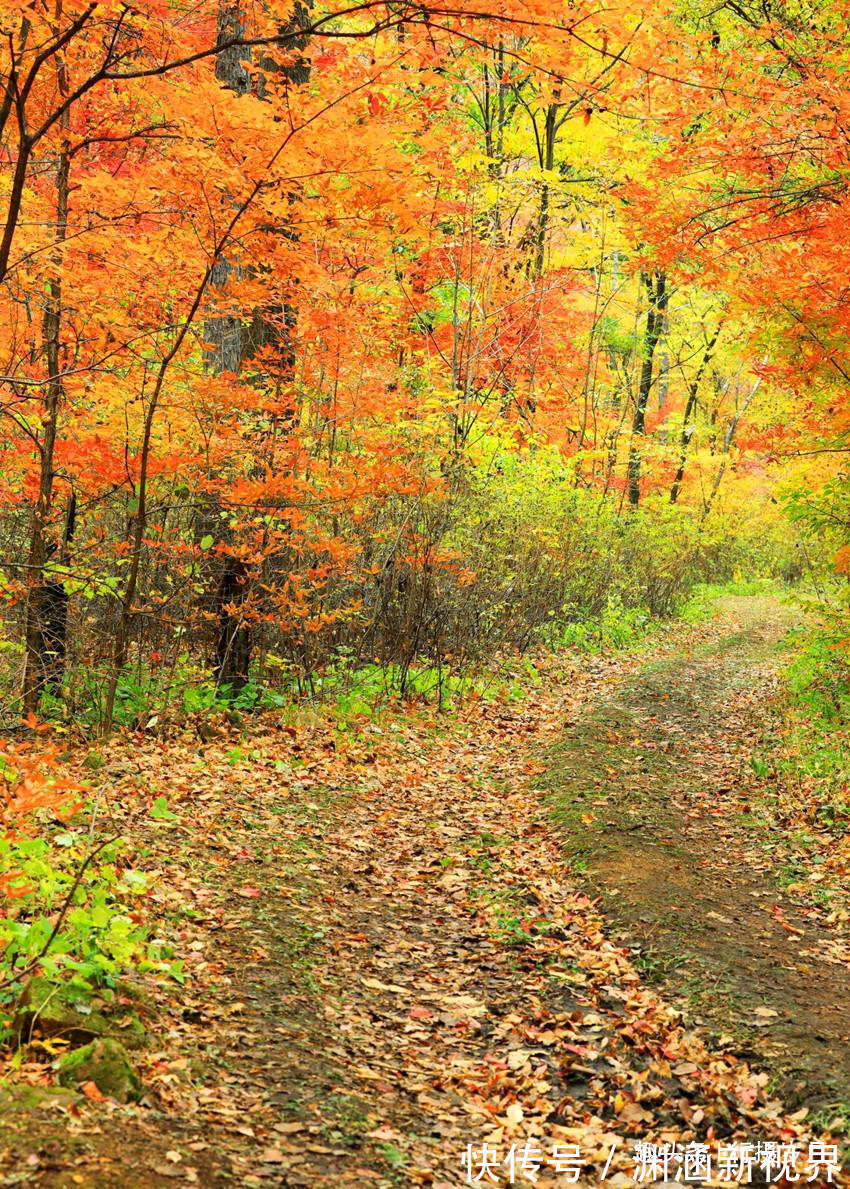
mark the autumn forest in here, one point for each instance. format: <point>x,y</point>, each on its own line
<point>424,619</point>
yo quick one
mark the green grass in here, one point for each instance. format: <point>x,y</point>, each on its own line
<point>701,604</point>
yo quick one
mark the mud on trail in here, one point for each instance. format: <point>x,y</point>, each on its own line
<point>656,798</point>
<point>389,954</point>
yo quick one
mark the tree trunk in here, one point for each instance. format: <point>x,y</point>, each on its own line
<point>690,406</point>
<point>52,643</point>
<point>547,163</point>
<point>239,339</point>
<point>43,596</point>
<point>728,439</point>
<point>656,288</point>
<point>233,651</point>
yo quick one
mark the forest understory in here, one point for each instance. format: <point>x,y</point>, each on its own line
<point>528,919</point>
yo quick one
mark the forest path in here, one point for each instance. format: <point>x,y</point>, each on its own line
<point>388,956</point>
<point>657,798</point>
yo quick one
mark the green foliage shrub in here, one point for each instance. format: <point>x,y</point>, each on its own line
<point>815,759</point>
<point>102,935</point>
<point>560,563</point>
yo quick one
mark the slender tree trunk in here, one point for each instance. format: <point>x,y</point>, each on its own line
<point>547,163</point>
<point>656,288</point>
<point>690,406</point>
<point>38,660</point>
<point>493,111</point>
<point>728,439</point>
<point>137,534</point>
<point>138,522</point>
<point>54,611</point>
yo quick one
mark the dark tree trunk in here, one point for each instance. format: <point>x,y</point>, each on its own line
<point>233,649</point>
<point>656,288</point>
<point>49,611</point>
<point>546,152</point>
<point>235,340</point>
<point>494,116</point>
<point>690,407</point>
<point>55,620</point>
<point>40,548</point>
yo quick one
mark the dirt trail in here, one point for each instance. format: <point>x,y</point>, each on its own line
<point>388,956</point>
<point>653,792</point>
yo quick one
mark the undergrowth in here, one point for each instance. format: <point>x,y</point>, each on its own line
<point>74,914</point>
<point>154,698</point>
<point>813,762</point>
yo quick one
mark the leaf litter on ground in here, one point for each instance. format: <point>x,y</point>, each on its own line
<point>387,957</point>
